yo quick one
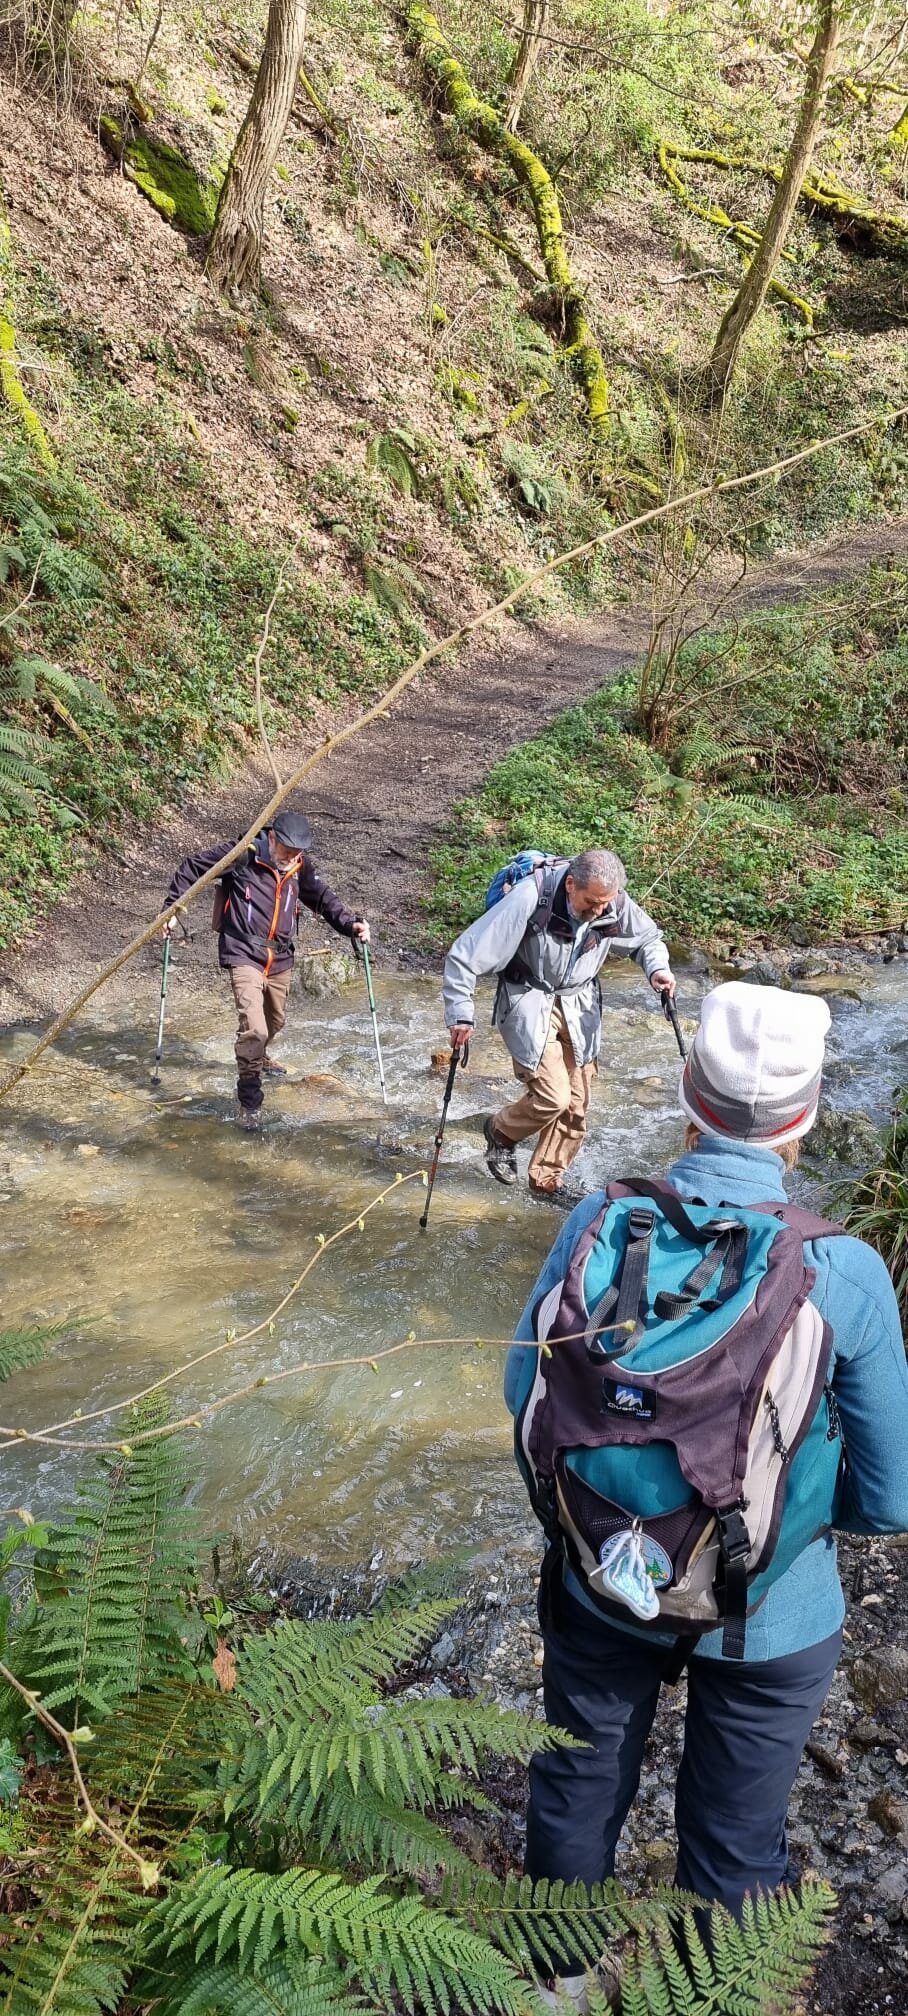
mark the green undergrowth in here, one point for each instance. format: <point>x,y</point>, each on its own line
<point>776,803</point>
<point>143,587</point>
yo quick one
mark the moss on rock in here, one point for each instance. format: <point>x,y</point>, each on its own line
<point>166,177</point>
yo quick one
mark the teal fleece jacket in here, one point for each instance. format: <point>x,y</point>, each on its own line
<point>869,1378</point>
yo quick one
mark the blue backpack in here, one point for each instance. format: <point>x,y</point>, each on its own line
<point>546,867</point>
<point>680,1439</point>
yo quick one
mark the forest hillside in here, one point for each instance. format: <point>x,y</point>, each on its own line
<point>429,389</point>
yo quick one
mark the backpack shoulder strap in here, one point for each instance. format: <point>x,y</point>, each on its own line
<point>547,875</point>
<point>808,1223</point>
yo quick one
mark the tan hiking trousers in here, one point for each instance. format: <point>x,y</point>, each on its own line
<point>554,1105</point>
<point>261,1004</point>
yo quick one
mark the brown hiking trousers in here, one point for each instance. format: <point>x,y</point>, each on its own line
<point>261,1002</point>
<point>554,1105</point>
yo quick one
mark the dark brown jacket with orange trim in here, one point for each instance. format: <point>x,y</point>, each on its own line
<point>260,905</point>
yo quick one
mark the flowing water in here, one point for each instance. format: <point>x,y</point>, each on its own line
<point>151,1218</point>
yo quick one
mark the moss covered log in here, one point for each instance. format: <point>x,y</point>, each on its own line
<point>11,386</point>
<point>484,125</point>
<point>881,231</point>
<point>745,236</point>
<point>166,177</point>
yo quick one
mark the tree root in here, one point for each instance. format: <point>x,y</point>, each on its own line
<point>11,386</point>
<point>484,125</point>
<point>849,214</point>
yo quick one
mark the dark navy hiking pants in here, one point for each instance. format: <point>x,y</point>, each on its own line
<point>744,1731</point>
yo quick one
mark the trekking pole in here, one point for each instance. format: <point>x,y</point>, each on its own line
<point>459,1055</point>
<point>671,1015</point>
<point>165,968</point>
<point>361,951</point>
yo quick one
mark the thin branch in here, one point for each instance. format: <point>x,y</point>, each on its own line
<point>381,707</point>
<point>93,1823</point>
<point>673,863</point>
<point>9,615</point>
<point>233,1337</point>
<point>370,1360</point>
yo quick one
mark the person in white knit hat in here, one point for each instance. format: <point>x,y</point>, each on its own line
<point>755,1065</point>
<point>749,1091</point>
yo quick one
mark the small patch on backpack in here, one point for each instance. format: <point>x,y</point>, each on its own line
<point>632,1401</point>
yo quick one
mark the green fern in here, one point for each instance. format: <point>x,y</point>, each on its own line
<point>326,1738</point>
<point>104,1619</point>
<point>308,1989</point>
<point>72,1955</point>
<point>392,1945</point>
<point>547,1924</point>
<point>26,1346</point>
<point>393,454</point>
<point>753,1969</point>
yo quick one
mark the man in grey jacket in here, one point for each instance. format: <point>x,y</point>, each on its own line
<point>546,939</point>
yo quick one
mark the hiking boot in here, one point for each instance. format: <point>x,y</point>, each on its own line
<point>562,1198</point>
<point>272,1070</point>
<point>570,1993</point>
<point>501,1157</point>
<point>250,1119</point>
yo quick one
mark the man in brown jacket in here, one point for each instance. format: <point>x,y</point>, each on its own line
<point>259,902</point>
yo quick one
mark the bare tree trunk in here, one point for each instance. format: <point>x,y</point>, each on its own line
<point>752,292</point>
<point>535,23</point>
<point>235,251</point>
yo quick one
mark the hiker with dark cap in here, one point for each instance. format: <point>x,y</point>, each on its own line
<point>546,937</point>
<point>723,1382</point>
<point>256,910</point>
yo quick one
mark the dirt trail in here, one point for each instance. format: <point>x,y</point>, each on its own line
<point>378,803</point>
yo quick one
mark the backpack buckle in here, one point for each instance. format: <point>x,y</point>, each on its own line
<point>640,1223</point>
<point>734,1539</point>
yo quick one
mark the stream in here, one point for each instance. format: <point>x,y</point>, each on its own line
<point>153,1224</point>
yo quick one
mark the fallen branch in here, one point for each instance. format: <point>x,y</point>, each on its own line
<point>262,647</point>
<point>885,232</point>
<point>381,707</point>
<point>486,126</point>
<point>745,236</point>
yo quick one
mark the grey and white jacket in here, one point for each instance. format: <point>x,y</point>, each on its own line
<point>536,967</point>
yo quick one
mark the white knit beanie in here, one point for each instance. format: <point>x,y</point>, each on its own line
<point>753,1072</point>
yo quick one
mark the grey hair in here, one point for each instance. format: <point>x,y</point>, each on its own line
<point>598,864</point>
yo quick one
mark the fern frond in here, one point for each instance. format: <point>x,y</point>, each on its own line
<point>753,1968</point>
<point>307,1989</point>
<point>390,1945</point>
<point>369,1648</point>
<point>539,1923</point>
<point>403,1751</point>
<point>159,1755</point>
<point>116,1567</point>
<point>73,1954</point>
<point>21,1348</point>
<point>369,1832</point>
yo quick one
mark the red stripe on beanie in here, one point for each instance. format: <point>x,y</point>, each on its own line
<point>716,1121</point>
